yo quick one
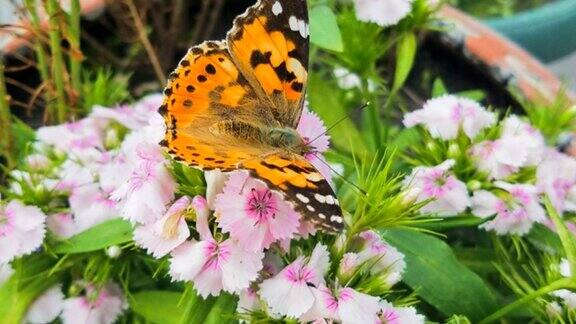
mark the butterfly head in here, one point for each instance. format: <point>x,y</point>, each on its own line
<point>288,139</point>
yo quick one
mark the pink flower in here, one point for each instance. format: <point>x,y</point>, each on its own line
<point>47,307</point>
<point>102,306</point>
<point>450,195</point>
<point>215,182</point>
<point>347,306</point>
<point>386,259</point>
<point>37,161</point>
<point>213,266</point>
<point>313,131</point>
<point>247,301</point>
<point>382,12</point>
<point>167,233</point>
<point>515,214</point>
<point>91,206</point>
<point>72,175</point>
<point>291,292</point>
<point>254,215</point>
<point>148,190</point>
<point>556,177</point>
<point>133,117</point>
<point>444,116</point>
<point>398,315</point>
<point>497,158</point>
<point>22,230</point>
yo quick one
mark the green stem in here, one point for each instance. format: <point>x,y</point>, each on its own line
<point>564,283</point>
<point>75,52</point>
<point>41,56</point>
<point>52,8</point>
<point>565,236</point>
<point>5,121</point>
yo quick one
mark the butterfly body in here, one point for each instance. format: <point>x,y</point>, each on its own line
<point>235,104</point>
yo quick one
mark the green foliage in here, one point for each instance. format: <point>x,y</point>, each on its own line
<point>102,87</point>
<point>112,232</point>
<point>324,31</point>
<point>439,278</point>
<point>158,306</point>
<point>552,119</point>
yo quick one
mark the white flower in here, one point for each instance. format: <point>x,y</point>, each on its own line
<point>165,234</point>
<point>291,292</point>
<point>96,307</point>
<point>444,116</point>
<point>91,206</point>
<point>388,260</point>
<point>382,12</point>
<point>213,266</point>
<point>47,307</point>
<point>532,141</point>
<point>515,214</point>
<point>556,177</point>
<point>22,230</point>
<point>564,268</point>
<point>62,225</point>
<point>215,181</point>
<point>568,297</point>
<point>450,195</point>
<point>399,315</point>
<point>347,306</point>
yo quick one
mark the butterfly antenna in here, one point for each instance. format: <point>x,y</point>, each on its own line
<point>348,115</point>
<point>340,175</point>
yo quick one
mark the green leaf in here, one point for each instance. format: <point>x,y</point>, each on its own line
<point>158,306</point>
<point>112,232</point>
<point>223,311</point>
<point>439,278</point>
<point>30,279</point>
<point>405,54</point>
<point>324,30</point>
<point>544,239</point>
<point>438,88</point>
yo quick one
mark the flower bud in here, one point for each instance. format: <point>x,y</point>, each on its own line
<point>454,151</point>
<point>474,185</point>
<point>113,251</point>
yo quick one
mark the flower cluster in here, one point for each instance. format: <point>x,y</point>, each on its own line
<point>490,169</point>
<point>240,237</point>
<point>75,174</point>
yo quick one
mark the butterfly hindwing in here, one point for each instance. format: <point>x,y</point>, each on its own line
<point>299,182</point>
<point>270,45</point>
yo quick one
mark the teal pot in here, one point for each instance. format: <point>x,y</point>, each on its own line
<point>548,31</point>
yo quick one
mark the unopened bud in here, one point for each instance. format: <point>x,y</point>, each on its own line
<point>113,251</point>
<point>453,151</point>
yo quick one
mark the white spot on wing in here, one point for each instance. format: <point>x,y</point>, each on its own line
<point>320,198</point>
<point>330,200</point>
<point>310,208</point>
<point>322,216</point>
<point>336,218</point>
<point>276,8</point>
<point>293,23</point>
<point>302,198</point>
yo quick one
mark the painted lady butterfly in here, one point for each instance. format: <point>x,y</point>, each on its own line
<point>235,104</point>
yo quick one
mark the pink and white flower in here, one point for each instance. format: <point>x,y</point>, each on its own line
<point>62,225</point>
<point>387,260</point>
<point>91,206</point>
<point>347,305</point>
<point>382,12</point>
<point>167,233</point>
<point>254,215</point>
<point>449,195</point>
<point>148,190</point>
<point>556,177</point>
<point>445,116</point>
<point>101,306</point>
<point>247,301</point>
<point>133,117</point>
<point>515,213</point>
<point>213,265</point>
<point>215,182</point>
<point>47,307</point>
<point>22,230</point>
<point>313,131</point>
<point>399,315</point>
<point>533,143</point>
<point>291,292</point>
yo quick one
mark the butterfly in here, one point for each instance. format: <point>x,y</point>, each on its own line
<point>235,104</point>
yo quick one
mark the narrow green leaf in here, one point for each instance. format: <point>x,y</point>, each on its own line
<point>324,30</point>
<point>223,310</point>
<point>439,278</point>
<point>112,232</point>
<point>438,88</point>
<point>566,238</point>
<point>405,54</point>
<point>158,306</point>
